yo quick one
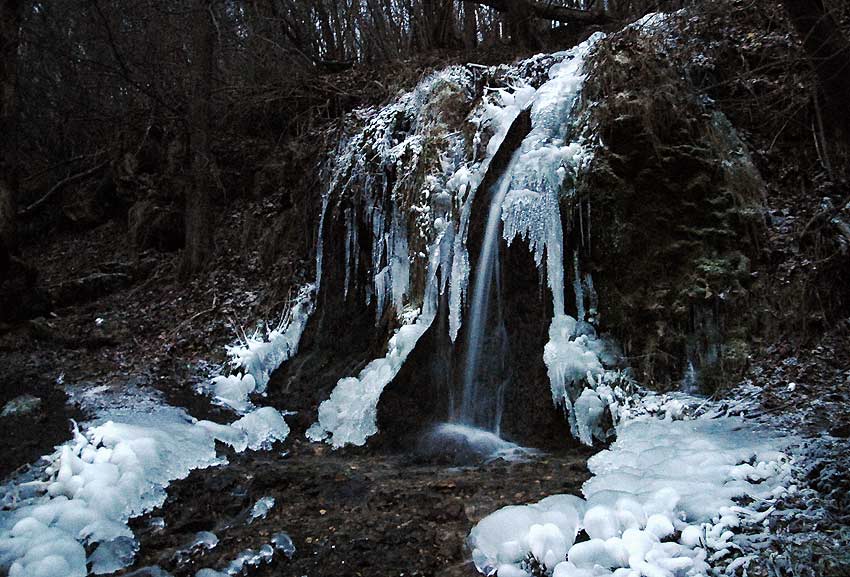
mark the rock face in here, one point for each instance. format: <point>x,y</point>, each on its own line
<point>671,212</point>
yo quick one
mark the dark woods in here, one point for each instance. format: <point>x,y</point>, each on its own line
<point>129,99</point>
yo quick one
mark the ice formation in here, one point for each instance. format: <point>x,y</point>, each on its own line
<point>116,468</point>
<point>397,140</point>
<point>257,356</point>
<point>471,443</point>
<point>261,508</point>
<point>375,170</point>
<point>248,559</point>
<point>283,542</point>
<point>349,415</point>
<point>546,158</point>
<point>666,499</point>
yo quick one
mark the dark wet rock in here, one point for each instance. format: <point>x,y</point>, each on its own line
<point>20,296</point>
<point>341,336</point>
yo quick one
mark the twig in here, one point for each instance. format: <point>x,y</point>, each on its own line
<point>820,141</point>
<point>65,162</point>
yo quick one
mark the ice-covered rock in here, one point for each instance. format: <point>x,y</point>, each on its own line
<point>262,427</point>
<point>283,542</point>
<point>261,508</point>
<point>349,416</point>
<point>662,501</point>
<point>466,445</point>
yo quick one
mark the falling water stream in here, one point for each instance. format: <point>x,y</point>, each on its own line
<point>481,406</point>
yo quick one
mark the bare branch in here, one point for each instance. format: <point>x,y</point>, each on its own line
<point>59,186</point>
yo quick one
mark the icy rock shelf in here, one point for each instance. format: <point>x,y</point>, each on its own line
<point>665,500</point>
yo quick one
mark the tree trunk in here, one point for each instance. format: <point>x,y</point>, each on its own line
<point>829,52</point>
<point>438,24</point>
<point>199,229</point>
<point>521,24</point>
<point>9,38</point>
<point>470,26</point>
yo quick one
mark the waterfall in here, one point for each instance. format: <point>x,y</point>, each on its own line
<point>477,408</point>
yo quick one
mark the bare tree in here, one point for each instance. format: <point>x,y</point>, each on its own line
<point>9,37</point>
<point>198,207</point>
<point>829,51</point>
<point>522,16</point>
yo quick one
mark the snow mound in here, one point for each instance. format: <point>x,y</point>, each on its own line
<point>665,499</point>
<point>117,468</point>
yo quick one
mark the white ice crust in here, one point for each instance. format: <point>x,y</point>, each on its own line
<point>115,468</point>
<point>664,500</point>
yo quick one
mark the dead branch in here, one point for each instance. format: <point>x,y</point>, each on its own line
<point>59,186</point>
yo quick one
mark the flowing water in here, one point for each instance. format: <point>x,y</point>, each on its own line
<point>481,405</point>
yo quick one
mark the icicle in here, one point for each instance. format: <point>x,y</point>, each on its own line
<point>593,313</point>
<point>348,243</point>
<point>378,272</point>
<point>581,222</point>
<point>577,288</point>
<point>320,242</point>
<point>399,262</point>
